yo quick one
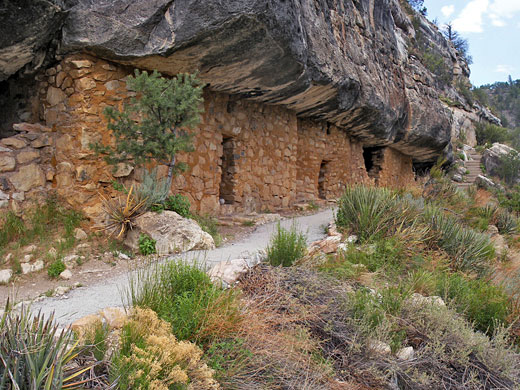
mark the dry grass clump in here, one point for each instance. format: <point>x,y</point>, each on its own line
<point>152,358</point>
<point>342,325</point>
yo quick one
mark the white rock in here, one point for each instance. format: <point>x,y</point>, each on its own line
<point>66,275</point>
<point>37,266</point>
<point>61,290</point>
<point>342,247</point>
<point>123,256</point>
<point>172,233</point>
<point>70,261</point>
<point>418,299</point>
<point>351,239</point>
<point>79,234</point>
<point>406,353</point>
<point>379,347</point>
<point>8,257</point>
<point>228,271</point>
<point>52,252</point>
<point>456,177</point>
<point>26,268</point>
<point>26,259</point>
<point>5,276</point>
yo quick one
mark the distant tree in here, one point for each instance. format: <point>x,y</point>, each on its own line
<point>154,125</point>
<point>418,5</point>
<point>458,42</point>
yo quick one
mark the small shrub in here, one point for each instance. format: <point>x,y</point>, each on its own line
<point>484,304</point>
<point>56,268</point>
<point>509,167</point>
<point>489,133</point>
<point>95,340</point>
<point>286,246</point>
<point>152,358</point>
<point>180,204</point>
<point>183,295</point>
<point>146,245</point>
<point>506,223</point>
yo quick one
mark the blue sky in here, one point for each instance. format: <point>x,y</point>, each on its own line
<point>492,28</point>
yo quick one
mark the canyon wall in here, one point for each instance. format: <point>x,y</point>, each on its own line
<point>303,97</point>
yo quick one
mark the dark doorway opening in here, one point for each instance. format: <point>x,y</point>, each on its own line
<point>322,178</point>
<point>373,157</point>
<point>227,180</point>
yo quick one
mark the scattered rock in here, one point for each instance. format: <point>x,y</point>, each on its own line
<point>456,177</point>
<point>70,261</point>
<point>38,265</point>
<point>406,353</point>
<point>484,182</point>
<point>29,248</point>
<point>379,347</point>
<point>61,290</point>
<point>228,271</point>
<point>79,234</point>
<point>332,230</point>
<point>262,219</point>
<point>351,239</point>
<point>123,256</point>
<point>492,230</point>
<point>171,232</point>
<point>5,276</point>
<point>492,157</point>
<point>26,259</point>
<point>66,275</point>
<point>115,317</point>
<point>8,257</point>
<point>329,244</point>
<point>52,252</point>
<point>26,268</point>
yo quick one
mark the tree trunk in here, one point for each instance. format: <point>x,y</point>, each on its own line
<point>170,173</point>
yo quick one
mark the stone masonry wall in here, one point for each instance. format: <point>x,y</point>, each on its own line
<point>321,144</point>
<point>271,158</point>
<point>396,170</point>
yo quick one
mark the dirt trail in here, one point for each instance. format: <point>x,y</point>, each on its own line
<point>107,293</point>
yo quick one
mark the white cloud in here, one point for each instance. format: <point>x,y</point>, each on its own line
<point>501,10</point>
<point>470,18</point>
<point>507,69</point>
<point>447,10</point>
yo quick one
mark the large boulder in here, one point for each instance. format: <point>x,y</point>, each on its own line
<point>26,30</point>
<point>346,62</point>
<point>491,158</point>
<point>172,233</point>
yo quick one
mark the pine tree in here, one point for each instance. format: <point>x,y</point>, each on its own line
<point>155,123</point>
<point>458,42</point>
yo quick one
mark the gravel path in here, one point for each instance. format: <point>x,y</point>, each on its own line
<point>88,300</point>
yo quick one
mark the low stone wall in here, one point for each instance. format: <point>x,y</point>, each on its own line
<point>248,156</point>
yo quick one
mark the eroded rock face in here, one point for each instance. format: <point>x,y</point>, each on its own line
<point>26,28</point>
<point>346,63</point>
<point>492,157</point>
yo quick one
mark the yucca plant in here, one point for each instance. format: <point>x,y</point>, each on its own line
<point>34,352</point>
<point>121,212</point>
<point>506,222</point>
<point>371,212</point>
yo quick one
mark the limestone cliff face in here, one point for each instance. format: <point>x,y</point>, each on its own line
<point>352,63</point>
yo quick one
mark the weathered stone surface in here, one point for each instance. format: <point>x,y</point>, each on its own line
<point>406,353</point>
<point>347,64</point>
<point>5,276</point>
<point>123,170</point>
<point>16,143</point>
<point>66,275</point>
<point>171,232</point>
<point>26,29</point>
<point>55,96</point>
<point>79,234</point>
<point>27,155</point>
<point>7,163</point>
<point>28,177</point>
<point>228,271</point>
<point>491,158</point>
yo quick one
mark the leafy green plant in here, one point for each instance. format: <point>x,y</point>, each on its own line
<point>146,245</point>
<point>56,268</point>
<point>183,295</point>
<point>509,167</point>
<point>490,133</point>
<point>506,222</point>
<point>33,352</point>
<point>166,108</point>
<point>180,204</point>
<point>286,246</point>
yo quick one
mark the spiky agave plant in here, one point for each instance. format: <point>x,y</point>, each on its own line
<point>34,352</point>
<point>121,212</point>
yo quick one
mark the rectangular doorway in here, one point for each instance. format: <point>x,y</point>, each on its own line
<point>227,180</point>
<point>322,179</point>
